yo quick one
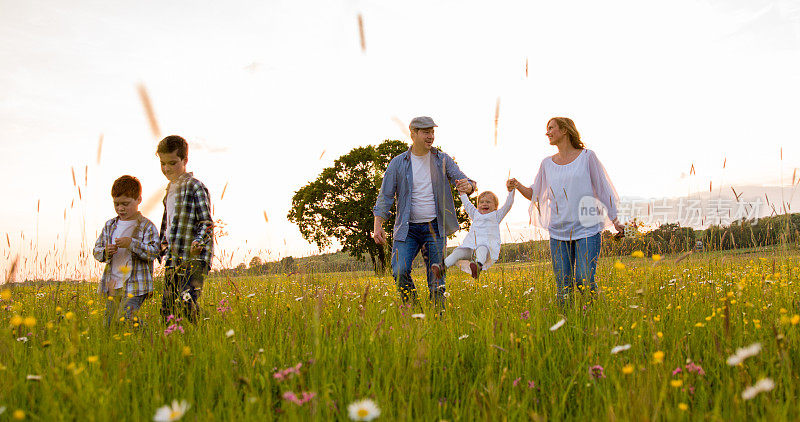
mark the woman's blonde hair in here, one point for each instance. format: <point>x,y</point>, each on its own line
<point>567,125</point>
<point>492,196</point>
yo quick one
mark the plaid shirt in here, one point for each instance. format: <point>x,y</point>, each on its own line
<point>143,248</point>
<point>191,222</point>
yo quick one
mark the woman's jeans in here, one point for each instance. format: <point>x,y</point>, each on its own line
<point>574,264</point>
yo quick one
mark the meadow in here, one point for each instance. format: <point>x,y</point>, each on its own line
<point>658,343</point>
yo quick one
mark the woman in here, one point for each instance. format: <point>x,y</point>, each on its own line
<point>573,198</point>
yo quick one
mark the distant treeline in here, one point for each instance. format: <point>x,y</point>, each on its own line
<point>667,239</point>
<point>766,231</point>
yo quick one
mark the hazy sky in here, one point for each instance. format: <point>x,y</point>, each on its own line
<point>262,89</point>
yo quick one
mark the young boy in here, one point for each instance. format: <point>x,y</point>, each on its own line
<point>186,231</point>
<point>128,245</point>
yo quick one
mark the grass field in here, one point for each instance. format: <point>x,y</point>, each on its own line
<point>497,352</point>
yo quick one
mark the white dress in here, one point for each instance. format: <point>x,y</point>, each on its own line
<point>575,200</point>
<point>484,230</point>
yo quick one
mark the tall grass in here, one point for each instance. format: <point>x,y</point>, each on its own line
<point>486,358</point>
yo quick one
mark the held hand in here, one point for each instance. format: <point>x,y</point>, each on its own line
<point>464,186</point>
<point>111,250</point>
<point>197,247</point>
<point>511,184</point>
<point>379,236</point>
<point>620,228</point>
<point>123,242</point>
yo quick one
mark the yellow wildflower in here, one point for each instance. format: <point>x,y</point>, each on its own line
<point>618,265</point>
<point>5,294</point>
<point>29,322</point>
<point>656,257</point>
<point>93,359</point>
<point>658,357</point>
<point>683,406</point>
<point>627,369</point>
<point>676,383</point>
<point>637,254</point>
<point>16,320</point>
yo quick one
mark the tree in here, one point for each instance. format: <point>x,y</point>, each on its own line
<point>288,265</point>
<point>338,204</point>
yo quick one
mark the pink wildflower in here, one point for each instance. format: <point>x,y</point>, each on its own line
<point>525,314</point>
<point>283,374</point>
<point>172,328</point>
<point>304,398</point>
<point>223,307</point>
<point>693,367</point>
<point>531,384</point>
<point>597,371</point>
<point>676,371</point>
<point>516,381</point>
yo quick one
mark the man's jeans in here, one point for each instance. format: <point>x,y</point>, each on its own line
<point>425,237</point>
<point>574,264</point>
<point>183,285</point>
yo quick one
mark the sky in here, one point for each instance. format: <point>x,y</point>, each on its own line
<point>269,93</point>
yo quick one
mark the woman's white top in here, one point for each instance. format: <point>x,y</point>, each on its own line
<point>485,229</point>
<point>575,200</point>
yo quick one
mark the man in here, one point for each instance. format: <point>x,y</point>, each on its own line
<point>419,178</point>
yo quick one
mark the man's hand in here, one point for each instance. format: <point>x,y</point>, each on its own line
<point>123,242</point>
<point>379,235</point>
<point>111,250</point>
<point>197,247</point>
<point>464,186</point>
<point>512,184</point>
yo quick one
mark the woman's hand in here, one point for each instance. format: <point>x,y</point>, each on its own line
<point>620,228</point>
<point>512,184</point>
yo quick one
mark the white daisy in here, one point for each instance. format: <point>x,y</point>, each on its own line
<point>229,333</point>
<point>363,410</point>
<point>763,385</point>
<point>558,325</point>
<point>744,353</point>
<point>463,336</point>
<point>171,413</point>
<point>618,349</point>
<point>418,316</point>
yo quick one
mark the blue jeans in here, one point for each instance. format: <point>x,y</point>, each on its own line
<point>424,237</point>
<point>574,264</point>
<point>122,305</point>
<point>183,285</point>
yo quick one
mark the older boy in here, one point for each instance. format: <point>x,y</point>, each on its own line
<point>128,245</point>
<point>186,231</point>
